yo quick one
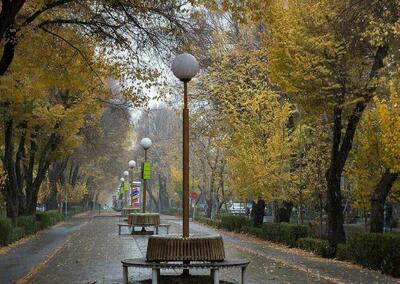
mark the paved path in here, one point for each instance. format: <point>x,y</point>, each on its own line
<point>21,259</point>
<point>93,253</point>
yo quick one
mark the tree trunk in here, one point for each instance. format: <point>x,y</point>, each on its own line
<point>365,220</point>
<point>54,174</point>
<point>340,151</point>
<point>283,212</point>
<point>378,200</point>
<point>301,215</point>
<point>258,212</point>
<point>209,207</point>
<point>321,214</point>
<point>12,199</point>
<point>162,195</point>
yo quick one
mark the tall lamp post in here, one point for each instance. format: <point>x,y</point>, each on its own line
<point>146,144</point>
<point>185,67</point>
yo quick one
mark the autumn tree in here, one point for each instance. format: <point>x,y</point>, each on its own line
<point>325,66</point>
<point>373,166</point>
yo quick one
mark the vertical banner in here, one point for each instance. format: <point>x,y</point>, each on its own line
<point>135,195</point>
<point>146,171</point>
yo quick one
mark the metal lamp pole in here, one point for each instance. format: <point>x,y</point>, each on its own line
<point>185,67</point>
<point>126,175</point>
<point>131,165</point>
<point>185,162</point>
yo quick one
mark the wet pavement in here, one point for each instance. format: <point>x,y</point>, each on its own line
<point>91,253</point>
<point>19,259</point>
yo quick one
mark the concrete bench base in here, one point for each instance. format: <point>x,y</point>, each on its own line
<point>156,266</point>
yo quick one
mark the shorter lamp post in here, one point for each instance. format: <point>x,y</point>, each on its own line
<point>126,175</point>
<point>122,180</point>
<point>146,144</point>
<point>131,165</point>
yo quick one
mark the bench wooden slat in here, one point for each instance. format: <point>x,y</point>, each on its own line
<point>141,262</point>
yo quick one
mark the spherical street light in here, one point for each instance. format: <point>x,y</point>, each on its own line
<point>146,143</point>
<point>185,67</point>
<point>126,173</point>
<point>122,180</point>
<point>132,164</point>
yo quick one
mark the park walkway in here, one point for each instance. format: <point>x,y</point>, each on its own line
<point>93,250</point>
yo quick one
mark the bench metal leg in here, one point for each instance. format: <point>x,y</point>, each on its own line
<point>119,230</point>
<point>125,274</point>
<point>154,277</point>
<point>244,275</point>
<point>132,230</point>
<point>167,230</point>
<point>156,227</point>
<point>215,276</point>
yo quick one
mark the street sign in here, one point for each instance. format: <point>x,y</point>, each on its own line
<point>194,195</point>
<point>146,172</point>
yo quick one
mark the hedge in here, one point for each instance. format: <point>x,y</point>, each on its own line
<point>28,223</point>
<point>284,233</point>
<point>234,223</point>
<point>341,252</point>
<point>375,251</point>
<point>207,221</point>
<point>320,247</point>
<point>16,234</point>
<point>249,230</point>
<point>5,231</point>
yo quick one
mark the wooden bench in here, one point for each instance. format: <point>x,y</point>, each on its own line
<point>156,266</point>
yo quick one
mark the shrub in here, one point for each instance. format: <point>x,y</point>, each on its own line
<point>252,231</point>
<point>48,218</point>
<point>44,219</point>
<point>55,214</point>
<point>375,251</point>
<point>5,231</point>
<point>28,223</point>
<point>318,246</point>
<point>234,223</point>
<point>17,233</point>
<point>284,233</point>
<point>208,221</point>
<point>341,252</point>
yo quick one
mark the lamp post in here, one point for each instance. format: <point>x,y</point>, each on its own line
<point>126,175</point>
<point>131,165</point>
<point>185,67</point>
<point>122,180</point>
<point>146,144</point>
